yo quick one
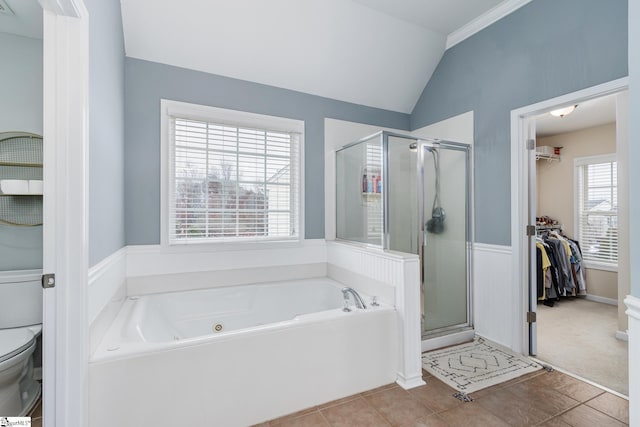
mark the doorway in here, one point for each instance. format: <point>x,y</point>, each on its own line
<point>532,171</point>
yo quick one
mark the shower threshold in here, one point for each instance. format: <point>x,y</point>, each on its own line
<point>441,338</point>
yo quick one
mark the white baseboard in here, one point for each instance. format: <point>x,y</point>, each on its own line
<point>603,300</point>
<point>409,383</point>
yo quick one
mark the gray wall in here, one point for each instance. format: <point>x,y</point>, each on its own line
<point>634,145</point>
<point>148,82</point>
<point>106,129</point>
<point>20,110</point>
<point>543,50</point>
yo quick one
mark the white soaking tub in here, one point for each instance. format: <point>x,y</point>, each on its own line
<point>237,356</point>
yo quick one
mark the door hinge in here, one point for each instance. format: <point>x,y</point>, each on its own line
<point>48,281</point>
<point>531,144</point>
<point>531,317</point>
<point>531,230</point>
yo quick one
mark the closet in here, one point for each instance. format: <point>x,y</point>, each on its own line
<point>559,263</point>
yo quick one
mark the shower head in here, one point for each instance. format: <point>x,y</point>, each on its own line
<point>413,146</point>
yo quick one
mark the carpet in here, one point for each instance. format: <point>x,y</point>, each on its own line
<point>476,365</point>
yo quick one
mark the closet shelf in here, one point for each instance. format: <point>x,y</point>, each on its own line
<point>20,164</point>
<point>550,157</point>
<point>20,187</point>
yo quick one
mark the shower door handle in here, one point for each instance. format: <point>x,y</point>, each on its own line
<point>424,237</point>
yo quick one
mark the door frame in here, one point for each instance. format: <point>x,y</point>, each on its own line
<point>521,119</point>
<point>65,217</point>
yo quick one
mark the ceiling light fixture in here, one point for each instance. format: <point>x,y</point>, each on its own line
<point>561,112</point>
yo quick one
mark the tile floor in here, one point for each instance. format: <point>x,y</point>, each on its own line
<point>36,414</point>
<point>540,398</point>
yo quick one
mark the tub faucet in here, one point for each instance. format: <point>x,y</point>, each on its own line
<point>356,297</point>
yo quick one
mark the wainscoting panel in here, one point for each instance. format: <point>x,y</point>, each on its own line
<point>105,295</point>
<point>386,270</point>
<point>493,293</point>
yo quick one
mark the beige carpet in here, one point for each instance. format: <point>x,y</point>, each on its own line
<point>476,365</point>
<point>578,336</point>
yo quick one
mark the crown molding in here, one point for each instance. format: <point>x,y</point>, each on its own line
<point>484,20</point>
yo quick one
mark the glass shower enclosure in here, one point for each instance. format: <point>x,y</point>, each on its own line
<point>412,195</point>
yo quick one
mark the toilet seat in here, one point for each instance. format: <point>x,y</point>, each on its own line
<point>15,341</point>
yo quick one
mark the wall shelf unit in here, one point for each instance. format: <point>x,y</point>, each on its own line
<point>20,179</point>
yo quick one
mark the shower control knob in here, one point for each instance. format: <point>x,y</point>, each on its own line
<point>374,301</point>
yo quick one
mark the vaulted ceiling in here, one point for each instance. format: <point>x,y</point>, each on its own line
<point>379,53</point>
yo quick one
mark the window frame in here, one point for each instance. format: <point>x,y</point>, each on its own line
<point>578,164</point>
<point>169,109</point>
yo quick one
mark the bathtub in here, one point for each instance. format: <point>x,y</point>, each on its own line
<point>237,356</point>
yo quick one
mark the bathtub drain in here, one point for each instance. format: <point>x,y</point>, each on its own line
<point>217,327</point>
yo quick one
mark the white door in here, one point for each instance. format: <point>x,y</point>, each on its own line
<point>65,337</point>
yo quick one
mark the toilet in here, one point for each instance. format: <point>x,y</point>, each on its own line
<point>20,326</point>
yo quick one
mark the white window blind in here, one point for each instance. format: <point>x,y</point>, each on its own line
<point>597,209</point>
<point>232,182</point>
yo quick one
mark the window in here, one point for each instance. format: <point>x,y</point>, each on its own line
<point>597,210</point>
<point>232,176</point>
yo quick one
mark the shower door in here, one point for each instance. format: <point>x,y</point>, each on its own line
<point>445,235</point>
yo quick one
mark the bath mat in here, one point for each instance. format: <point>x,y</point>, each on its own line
<point>476,365</point>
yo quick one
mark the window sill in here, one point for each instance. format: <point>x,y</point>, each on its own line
<point>231,245</point>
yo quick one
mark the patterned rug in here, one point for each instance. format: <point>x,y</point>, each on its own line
<point>476,365</point>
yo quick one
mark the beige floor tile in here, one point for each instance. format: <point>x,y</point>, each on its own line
<point>36,412</point>
<point>435,395</point>
<point>567,385</point>
<point>554,422</point>
<point>432,420</point>
<point>471,414</point>
<point>36,422</point>
<point>542,397</point>
<point>398,406</point>
<point>584,416</point>
<point>356,413</point>
<point>340,401</point>
<point>314,419</point>
<point>280,420</point>
<point>512,409</point>
<point>611,405</point>
<point>384,387</point>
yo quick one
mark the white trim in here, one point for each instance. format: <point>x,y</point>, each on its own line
<point>236,118</point>
<point>622,335</point>
<point>633,311</point>
<point>448,340</point>
<point>65,248</point>
<point>603,300</point>
<point>483,21</point>
<point>519,189</point>
<point>150,260</point>
<point>105,279</point>
<point>633,307</point>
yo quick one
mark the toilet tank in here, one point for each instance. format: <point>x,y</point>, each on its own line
<point>20,298</point>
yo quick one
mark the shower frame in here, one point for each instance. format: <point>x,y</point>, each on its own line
<point>422,145</point>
